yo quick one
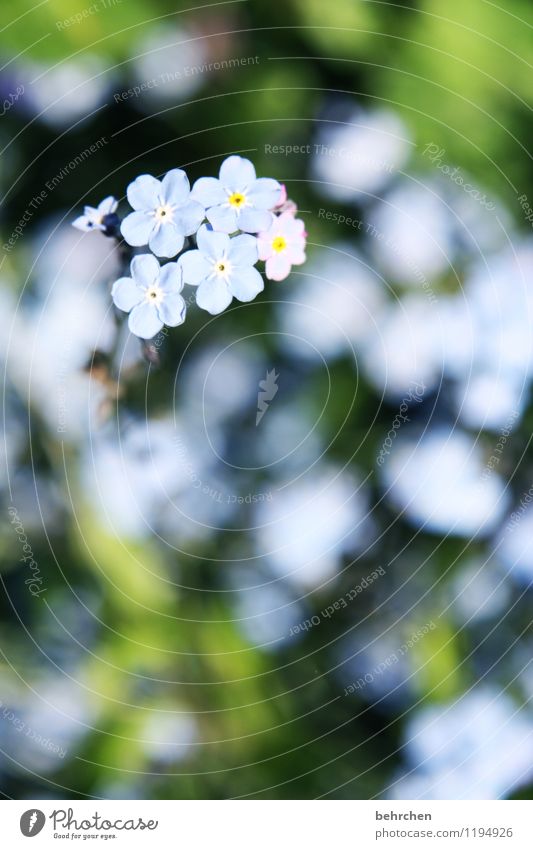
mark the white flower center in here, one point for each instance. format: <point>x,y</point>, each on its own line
<point>154,294</point>
<point>164,214</point>
<point>95,219</point>
<point>222,268</point>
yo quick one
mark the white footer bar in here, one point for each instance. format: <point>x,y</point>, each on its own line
<point>267,824</point>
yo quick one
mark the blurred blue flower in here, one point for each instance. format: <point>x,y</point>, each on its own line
<point>93,218</point>
<point>265,610</point>
<point>51,336</point>
<point>59,94</point>
<point>237,200</point>
<point>158,54</point>
<point>418,235</point>
<point>438,481</point>
<point>164,213</point>
<point>478,747</point>
<point>151,296</point>
<point>478,592</point>
<point>333,306</point>
<point>53,720</point>
<point>355,158</point>
<point>514,545</point>
<point>307,527</point>
<point>222,268</point>
<point>490,400</point>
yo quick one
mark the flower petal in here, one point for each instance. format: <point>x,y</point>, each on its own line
<point>213,295</point>
<point>237,173</point>
<point>277,267</point>
<point>209,192</point>
<point>136,228</point>
<point>187,218</point>
<point>175,187</point>
<point>246,283</point>
<point>172,310</point>
<point>107,206</point>
<point>195,267</point>
<point>166,240</point>
<point>170,278</point>
<point>296,254</point>
<point>254,220</point>
<point>264,245</point>
<point>291,225</point>
<point>144,192</point>
<point>283,196</point>
<point>211,243</point>
<point>126,294</point>
<point>145,270</point>
<point>144,321</point>
<point>222,218</point>
<point>265,193</point>
<point>82,222</point>
<point>243,250</point>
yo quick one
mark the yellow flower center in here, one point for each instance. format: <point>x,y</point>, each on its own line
<point>237,200</point>
<point>279,244</point>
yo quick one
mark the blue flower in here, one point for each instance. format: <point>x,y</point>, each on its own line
<point>151,296</point>
<point>237,200</point>
<point>222,268</point>
<point>94,218</point>
<point>164,213</point>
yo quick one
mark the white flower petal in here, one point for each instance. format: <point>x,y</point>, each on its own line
<point>144,192</point>
<point>176,187</point>
<point>246,283</point>
<point>166,240</point>
<point>188,217</point>
<point>170,278</point>
<point>237,173</point>
<point>213,295</point>
<point>209,192</point>
<point>107,206</point>
<point>254,220</point>
<point>243,250</point>
<point>213,244</point>
<point>223,219</point>
<point>145,270</point>
<point>126,294</point>
<point>265,193</point>
<point>172,310</point>
<point>195,267</point>
<point>144,321</point>
<point>82,222</point>
<point>264,245</point>
<point>136,228</point>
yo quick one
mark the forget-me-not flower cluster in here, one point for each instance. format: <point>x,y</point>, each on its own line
<point>214,234</point>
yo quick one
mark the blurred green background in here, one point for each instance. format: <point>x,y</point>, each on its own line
<point>179,546</point>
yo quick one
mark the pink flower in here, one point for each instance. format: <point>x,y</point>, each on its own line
<point>282,245</point>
